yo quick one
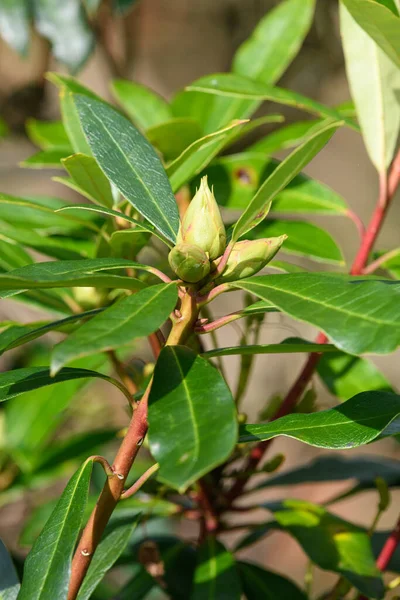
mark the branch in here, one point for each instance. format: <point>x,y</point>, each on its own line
<point>140,482</point>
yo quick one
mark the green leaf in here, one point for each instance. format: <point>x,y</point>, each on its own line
<point>279,179</point>
<point>88,176</point>
<point>118,325</point>
<point>128,242</point>
<point>109,550</point>
<point>259,583</point>
<point>216,576</point>
<point>333,467</point>
<point>374,82</point>
<point>3,124</point>
<point>46,159</point>
<point>184,438</point>
<point>379,23</point>
<point>48,565</point>
<point>9,582</point>
<point>285,137</point>
<point>12,256</point>
<point>14,24</point>
<point>174,136</point>
<point>77,273</point>
<point>67,30</point>
<point>145,107</point>
<point>392,264</point>
<point>304,239</point>
<point>361,420</point>
<point>337,305</point>
<point>198,155</point>
<point>130,163</point>
<point>331,543</point>
<point>47,134</point>
<point>346,375</point>
<point>289,346</point>
<point>235,86</point>
<point>15,336</point>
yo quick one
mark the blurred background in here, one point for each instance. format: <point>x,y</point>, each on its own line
<point>166,44</point>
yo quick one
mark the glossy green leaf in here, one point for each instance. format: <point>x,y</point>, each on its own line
<point>14,24</point>
<point>46,159</point>
<point>374,82</point>
<point>67,29</point>
<point>47,134</point>
<point>9,582</point>
<point>16,335</point>
<point>259,583</point>
<point>379,22</point>
<point>109,550</point>
<point>236,86</point>
<point>174,136</point>
<point>289,346</point>
<point>198,155</point>
<point>47,567</point>
<point>78,273</point>
<point>184,439</point>
<point>333,467</point>
<point>145,107</point>
<point>86,173</point>
<point>136,316</point>
<point>304,239</point>
<point>337,305</point>
<point>130,163</point>
<point>216,576</point>
<point>285,137</point>
<point>346,375</point>
<point>361,420</point>
<point>279,179</point>
<point>331,543</point>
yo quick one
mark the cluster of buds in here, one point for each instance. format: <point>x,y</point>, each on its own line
<point>202,241</point>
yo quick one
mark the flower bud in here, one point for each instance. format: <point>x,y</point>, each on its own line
<point>189,262</point>
<point>202,224</point>
<point>250,256</point>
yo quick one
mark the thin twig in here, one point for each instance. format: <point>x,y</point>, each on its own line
<point>140,482</point>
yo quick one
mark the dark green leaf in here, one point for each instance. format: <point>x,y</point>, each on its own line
<point>279,179</point>
<point>14,24</point>
<point>67,30</point>
<point>145,107</point>
<point>288,346</point>
<point>190,430</point>
<point>47,134</point>
<point>346,375</point>
<point>109,550</point>
<point>130,163</point>
<point>361,420</point>
<point>46,159</point>
<point>339,306</point>
<point>174,136</point>
<point>9,582</point>
<point>259,583</point>
<point>216,576</point>
<point>136,316</point>
<point>47,568</point>
<point>304,239</point>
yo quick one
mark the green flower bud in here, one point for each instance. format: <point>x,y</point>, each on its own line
<point>250,256</point>
<point>202,224</point>
<point>189,262</point>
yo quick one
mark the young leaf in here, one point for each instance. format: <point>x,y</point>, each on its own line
<point>174,136</point>
<point>258,583</point>
<point>279,179</point>
<point>88,176</point>
<point>145,107</point>
<point>361,420</point>
<point>67,30</point>
<point>379,22</point>
<point>47,567</point>
<point>14,24</point>
<point>285,137</point>
<point>216,576</point>
<point>374,81</point>
<point>190,431</point>
<point>109,550</point>
<point>331,543</point>
<point>130,318</point>
<point>9,582</point>
<point>46,159</point>
<point>346,375</point>
<point>130,163</point>
<point>304,239</point>
<point>339,306</point>
<point>47,134</point>
<point>289,346</point>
